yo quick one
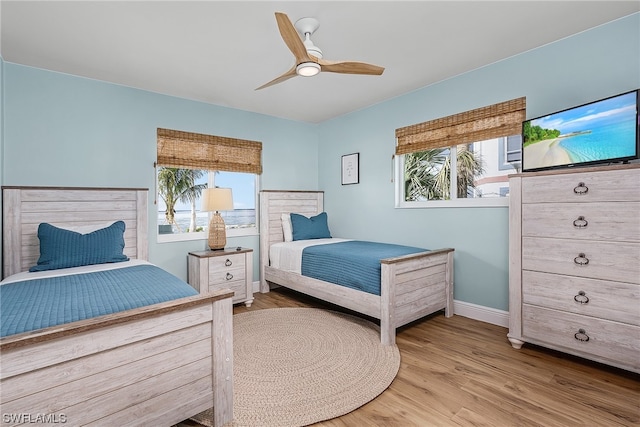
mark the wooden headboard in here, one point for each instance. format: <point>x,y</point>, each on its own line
<point>272,205</point>
<point>24,208</point>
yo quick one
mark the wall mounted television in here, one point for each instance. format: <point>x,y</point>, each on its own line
<point>600,132</point>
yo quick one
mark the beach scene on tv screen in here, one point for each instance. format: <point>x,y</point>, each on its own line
<point>594,132</point>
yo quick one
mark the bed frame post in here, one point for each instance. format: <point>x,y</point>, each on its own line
<point>448,310</point>
<point>222,348</point>
<point>387,304</point>
<point>264,239</point>
<point>11,233</point>
<point>142,224</point>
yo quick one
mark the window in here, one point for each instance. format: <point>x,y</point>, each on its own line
<point>466,171</point>
<point>187,164</point>
<point>460,160</point>
<point>511,153</point>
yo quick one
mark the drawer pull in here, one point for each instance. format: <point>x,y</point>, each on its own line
<point>581,259</point>
<point>228,262</point>
<point>580,222</point>
<point>582,298</point>
<point>581,189</point>
<point>581,335</point>
<point>229,276</point>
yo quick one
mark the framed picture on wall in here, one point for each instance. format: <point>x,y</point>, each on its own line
<point>351,169</point>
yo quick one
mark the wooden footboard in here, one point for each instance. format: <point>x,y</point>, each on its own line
<point>155,365</point>
<point>412,287</point>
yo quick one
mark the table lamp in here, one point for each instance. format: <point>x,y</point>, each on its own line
<point>216,200</point>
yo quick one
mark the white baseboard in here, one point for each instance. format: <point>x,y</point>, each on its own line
<point>465,309</point>
<point>481,313</point>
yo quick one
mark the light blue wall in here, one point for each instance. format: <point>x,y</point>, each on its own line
<point>592,65</point>
<point>65,130</point>
<point>62,130</point>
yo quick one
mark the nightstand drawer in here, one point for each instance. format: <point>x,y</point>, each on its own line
<point>226,262</point>
<point>238,287</point>
<point>227,275</point>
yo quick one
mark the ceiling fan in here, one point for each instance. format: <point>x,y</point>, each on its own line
<point>308,57</point>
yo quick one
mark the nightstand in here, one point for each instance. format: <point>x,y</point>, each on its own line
<point>230,268</point>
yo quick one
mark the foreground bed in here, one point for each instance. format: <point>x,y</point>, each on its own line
<point>411,287</point>
<point>153,365</point>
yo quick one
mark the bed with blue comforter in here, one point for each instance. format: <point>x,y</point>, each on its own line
<point>353,263</point>
<point>394,283</point>
<point>38,303</point>
<point>91,332</point>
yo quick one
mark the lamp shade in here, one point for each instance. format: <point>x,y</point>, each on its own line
<point>217,199</point>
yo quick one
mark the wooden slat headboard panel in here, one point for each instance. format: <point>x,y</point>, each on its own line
<point>272,205</point>
<point>24,208</point>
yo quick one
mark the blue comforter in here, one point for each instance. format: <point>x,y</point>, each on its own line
<point>354,264</point>
<point>39,303</point>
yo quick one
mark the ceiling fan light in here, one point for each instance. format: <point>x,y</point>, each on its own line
<point>308,69</point>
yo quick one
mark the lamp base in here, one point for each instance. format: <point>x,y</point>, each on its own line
<point>217,233</point>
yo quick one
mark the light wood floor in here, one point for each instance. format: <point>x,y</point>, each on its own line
<point>462,372</point>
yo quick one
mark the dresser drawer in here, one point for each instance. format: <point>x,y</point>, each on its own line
<point>583,335</point>
<point>587,221</point>
<point>599,260</point>
<point>590,297</point>
<point>597,186</point>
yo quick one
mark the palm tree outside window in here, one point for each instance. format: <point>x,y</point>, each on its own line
<point>177,185</point>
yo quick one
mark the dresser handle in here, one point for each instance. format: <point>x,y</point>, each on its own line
<point>581,259</point>
<point>582,298</point>
<point>581,189</point>
<point>580,222</point>
<point>581,335</point>
<point>228,262</point>
<point>229,276</point>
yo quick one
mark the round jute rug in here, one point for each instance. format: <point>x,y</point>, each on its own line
<point>299,366</point>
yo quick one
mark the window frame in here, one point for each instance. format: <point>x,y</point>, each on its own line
<point>453,202</point>
<point>204,235</point>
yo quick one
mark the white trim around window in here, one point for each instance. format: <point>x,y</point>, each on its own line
<point>480,202</point>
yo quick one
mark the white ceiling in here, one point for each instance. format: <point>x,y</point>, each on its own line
<point>220,51</point>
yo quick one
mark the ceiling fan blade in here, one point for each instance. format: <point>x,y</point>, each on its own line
<point>350,67</point>
<point>283,77</point>
<point>291,38</point>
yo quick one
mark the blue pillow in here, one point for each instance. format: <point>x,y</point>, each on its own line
<point>61,248</point>
<point>310,228</point>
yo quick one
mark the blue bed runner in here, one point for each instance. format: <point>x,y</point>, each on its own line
<point>354,263</point>
<point>39,303</point>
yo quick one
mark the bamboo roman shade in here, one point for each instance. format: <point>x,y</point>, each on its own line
<point>189,150</point>
<point>493,121</point>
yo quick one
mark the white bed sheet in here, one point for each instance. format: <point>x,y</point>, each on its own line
<point>287,256</point>
<point>26,275</point>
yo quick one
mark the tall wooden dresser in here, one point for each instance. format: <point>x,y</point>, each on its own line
<point>574,262</point>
